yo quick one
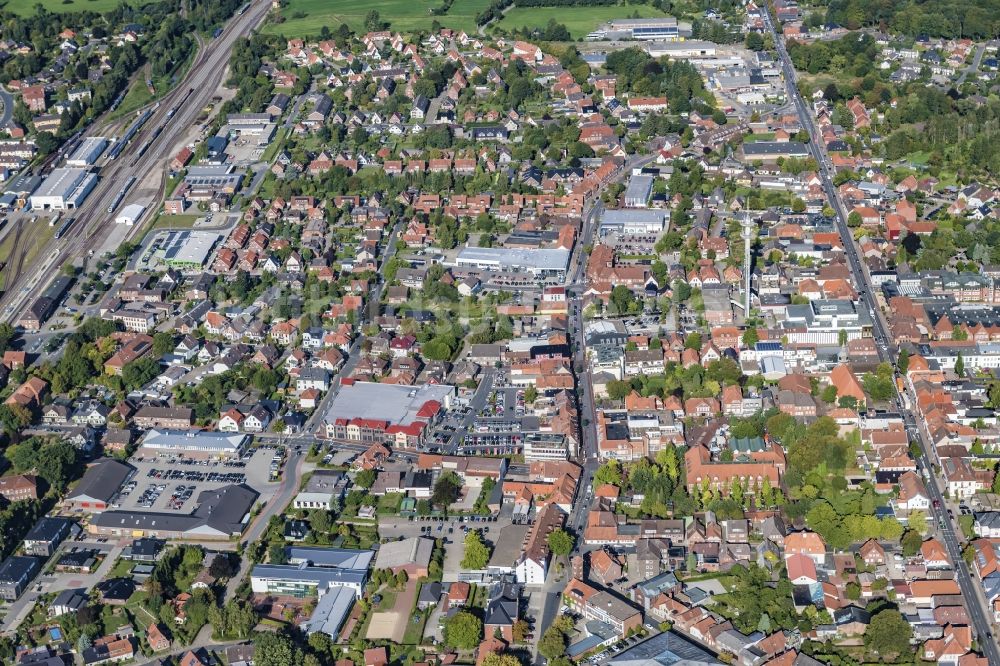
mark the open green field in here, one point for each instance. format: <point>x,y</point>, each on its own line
<point>579,20</point>
<point>919,158</point>
<point>307,17</point>
<point>177,221</point>
<point>27,7</point>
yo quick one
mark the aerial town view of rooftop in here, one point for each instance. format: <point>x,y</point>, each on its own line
<point>499,332</point>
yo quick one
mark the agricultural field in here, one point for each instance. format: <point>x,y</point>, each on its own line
<point>27,7</point>
<point>579,20</point>
<point>307,17</point>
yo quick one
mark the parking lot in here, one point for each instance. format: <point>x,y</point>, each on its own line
<point>173,483</point>
<point>507,403</point>
<point>453,527</point>
<point>336,457</point>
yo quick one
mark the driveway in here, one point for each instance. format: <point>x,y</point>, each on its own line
<point>432,630</point>
<point>453,554</point>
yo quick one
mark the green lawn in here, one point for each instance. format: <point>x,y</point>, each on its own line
<point>176,221</point>
<point>388,504</point>
<point>138,96</point>
<point>121,568</point>
<point>415,630</point>
<point>275,146</point>
<point>947,178</point>
<point>388,602</point>
<point>306,17</point>
<point>919,158</point>
<point>579,20</point>
<point>161,221</point>
<point>27,7</point>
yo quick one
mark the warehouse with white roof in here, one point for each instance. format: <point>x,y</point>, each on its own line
<point>130,214</point>
<point>65,188</point>
<point>88,152</point>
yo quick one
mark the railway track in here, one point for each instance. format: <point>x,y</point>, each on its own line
<point>93,226</point>
<point>22,251</point>
<point>15,260</point>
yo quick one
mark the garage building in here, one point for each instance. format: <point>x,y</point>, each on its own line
<point>130,214</point>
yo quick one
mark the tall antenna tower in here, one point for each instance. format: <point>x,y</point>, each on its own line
<point>748,232</point>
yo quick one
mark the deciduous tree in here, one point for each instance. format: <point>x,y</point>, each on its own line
<point>476,552</point>
<point>463,631</point>
<point>560,542</point>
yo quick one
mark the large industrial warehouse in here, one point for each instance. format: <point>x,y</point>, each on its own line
<point>65,188</point>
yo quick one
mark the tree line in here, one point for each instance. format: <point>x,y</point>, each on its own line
<point>949,19</point>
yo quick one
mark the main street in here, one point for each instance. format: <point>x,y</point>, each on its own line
<point>588,454</point>
<point>977,609</point>
<point>93,222</point>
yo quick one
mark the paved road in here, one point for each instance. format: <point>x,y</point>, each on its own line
<point>8,106</point>
<point>587,454</point>
<point>208,645</point>
<point>974,67</point>
<point>288,488</point>
<point>977,610</point>
<point>476,405</point>
<point>19,609</point>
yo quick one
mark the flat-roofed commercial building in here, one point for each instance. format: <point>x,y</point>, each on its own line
<point>65,188</point>
<point>393,414</point>
<point>769,151</point>
<point>639,189</point>
<point>540,263</point>
<point>647,28</point>
<point>188,249</point>
<point>632,221</point>
<point>682,50</point>
<point>88,152</point>
<point>196,444</point>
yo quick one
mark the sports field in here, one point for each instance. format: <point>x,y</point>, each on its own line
<point>579,20</point>
<point>307,17</point>
<point>27,7</point>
